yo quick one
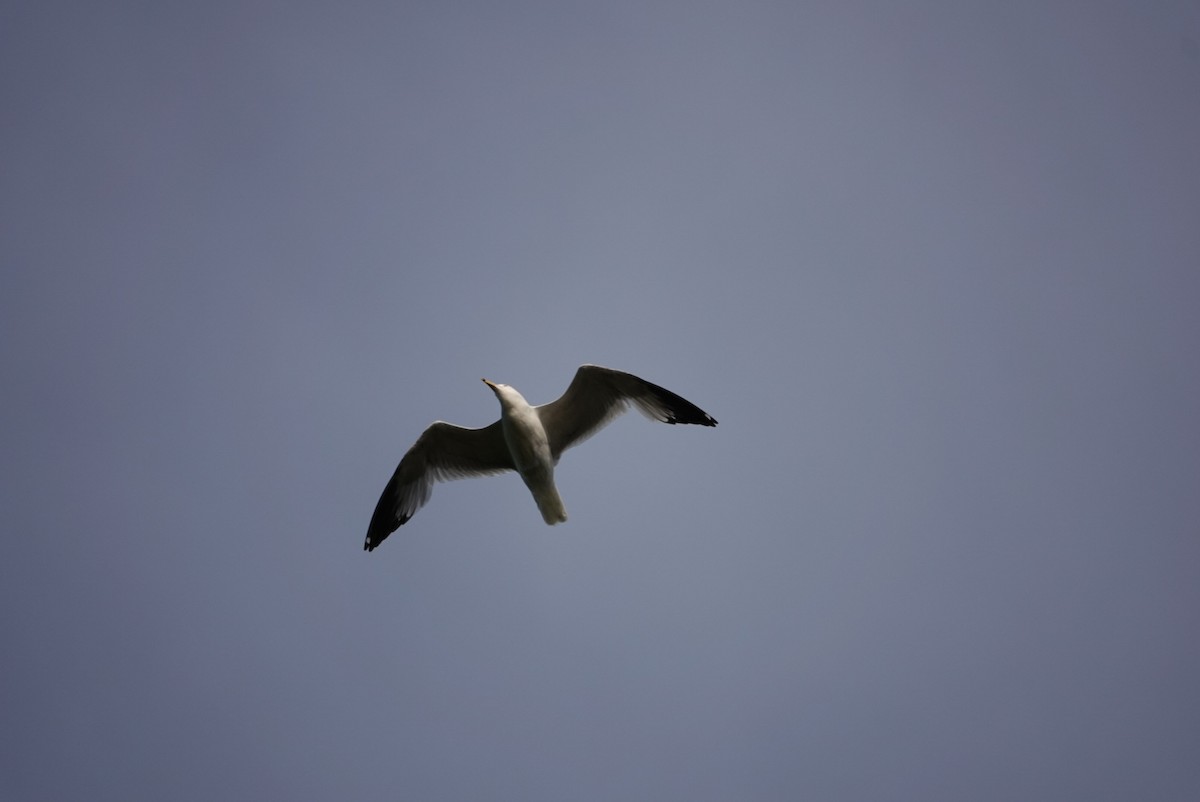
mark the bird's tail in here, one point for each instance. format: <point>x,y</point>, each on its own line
<point>551,506</point>
<point>549,502</point>
<point>541,484</point>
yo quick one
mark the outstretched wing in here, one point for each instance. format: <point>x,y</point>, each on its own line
<point>597,395</point>
<point>443,451</point>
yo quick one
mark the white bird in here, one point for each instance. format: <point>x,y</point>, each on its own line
<point>526,439</point>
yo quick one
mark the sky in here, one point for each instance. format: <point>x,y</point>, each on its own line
<point>933,266</point>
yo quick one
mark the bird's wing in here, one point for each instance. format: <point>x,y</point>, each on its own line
<point>443,451</point>
<point>597,395</point>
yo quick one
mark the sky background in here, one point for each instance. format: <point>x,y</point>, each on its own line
<point>934,266</point>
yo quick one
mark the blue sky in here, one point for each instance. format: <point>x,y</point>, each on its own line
<point>933,266</point>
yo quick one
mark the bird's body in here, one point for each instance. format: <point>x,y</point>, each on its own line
<point>527,439</point>
<point>529,446</point>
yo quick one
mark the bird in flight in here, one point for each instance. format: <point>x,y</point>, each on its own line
<point>526,439</point>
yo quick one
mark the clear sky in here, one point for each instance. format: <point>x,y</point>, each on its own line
<point>934,266</point>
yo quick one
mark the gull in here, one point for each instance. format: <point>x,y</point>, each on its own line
<point>526,439</point>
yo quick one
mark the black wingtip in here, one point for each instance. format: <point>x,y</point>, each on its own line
<point>706,420</point>
<point>680,410</point>
<point>374,539</point>
<point>694,415</point>
<point>379,530</point>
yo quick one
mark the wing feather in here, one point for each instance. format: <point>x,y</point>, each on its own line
<point>597,395</point>
<point>442,452</point>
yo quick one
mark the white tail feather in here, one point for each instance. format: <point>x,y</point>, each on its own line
<point>549,503</point>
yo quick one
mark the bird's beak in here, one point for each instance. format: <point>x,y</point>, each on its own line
<point>489,384</point>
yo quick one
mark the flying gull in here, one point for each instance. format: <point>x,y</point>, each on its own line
<point>526,439</point>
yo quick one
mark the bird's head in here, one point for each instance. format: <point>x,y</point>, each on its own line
<point>507,396</point>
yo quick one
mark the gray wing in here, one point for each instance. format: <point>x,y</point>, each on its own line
<point>443,451</point>
<point>597,395</point>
